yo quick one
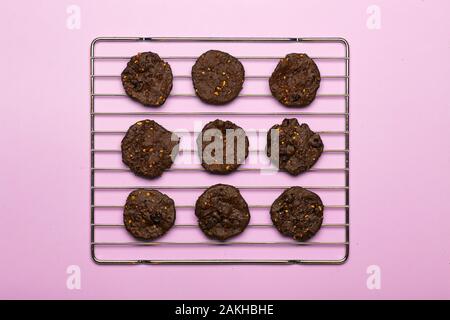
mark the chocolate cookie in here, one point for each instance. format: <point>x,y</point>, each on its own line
<point>218,77</point>
<point>149,149</point>
<point>214,154</point>
<point>297,213</point>
<point>222,212</point>
<point>148,214</point>
<point>147,79</point>
<point>299,147</point>
<point>295,80</point>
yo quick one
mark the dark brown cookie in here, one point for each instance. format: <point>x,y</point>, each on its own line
<point>218,77</point>
<point>147,79</point>
<point>299,146</point>
<point>222,212</point>
<point>228,161</point>
<point>297,213</point>
<point>148,214</point>
<point>149,149</point>
<point>295,80</point>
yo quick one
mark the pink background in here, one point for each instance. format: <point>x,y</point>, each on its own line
<point>399,178</point>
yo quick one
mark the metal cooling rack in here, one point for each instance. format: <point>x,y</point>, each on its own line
<point>345,131</point>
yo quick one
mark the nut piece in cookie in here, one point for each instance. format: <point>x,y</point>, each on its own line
<point>298,146</point>
<point>147,79</point>
<point>297,213</point>
<point>218,77</point>
<point>222,212</point>
<point>148,214</point>
<point>148,148</point>
<point>223,146</point>
<point>295,80</point>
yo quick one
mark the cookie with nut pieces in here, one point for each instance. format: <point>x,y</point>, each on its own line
<point>297,213</point>
<point>222,212</point>
<point>232,145</point>
<point>149,149</point>
<point>218,77</point>
<point>148,214</point>
<point>292,147</point>
<point>147,79</point>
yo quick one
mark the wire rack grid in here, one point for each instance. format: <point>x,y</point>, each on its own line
<point>110,114</point>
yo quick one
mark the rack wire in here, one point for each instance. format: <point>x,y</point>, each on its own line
<point>94,244</point>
